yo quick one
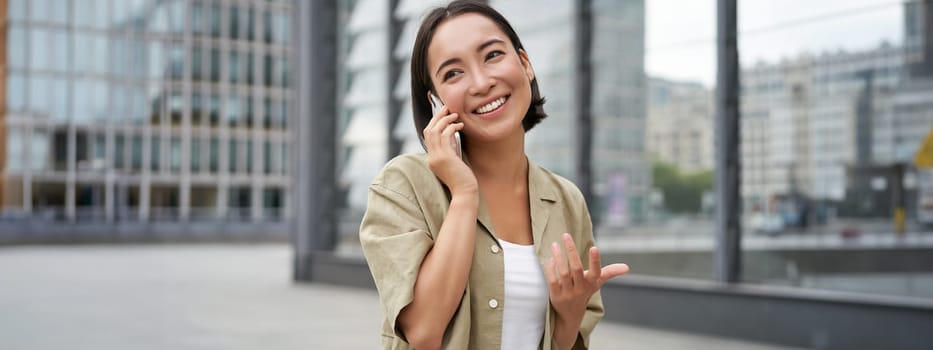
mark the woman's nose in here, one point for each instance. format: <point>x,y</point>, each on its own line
<point>481,84</point>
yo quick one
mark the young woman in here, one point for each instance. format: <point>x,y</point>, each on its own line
<point>484,249</point>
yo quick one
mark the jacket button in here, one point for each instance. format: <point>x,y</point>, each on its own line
<point>493,303</point>
<point>494,248</point>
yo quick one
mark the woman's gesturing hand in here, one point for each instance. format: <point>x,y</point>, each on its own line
<point>443,149</point>
<point>569,285</point>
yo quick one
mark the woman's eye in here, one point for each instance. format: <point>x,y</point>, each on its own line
<point>450,74</point>
<point>494,54</point>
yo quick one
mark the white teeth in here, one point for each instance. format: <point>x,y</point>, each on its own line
<point>491,106</point>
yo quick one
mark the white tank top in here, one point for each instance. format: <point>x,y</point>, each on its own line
<point>526,298</point>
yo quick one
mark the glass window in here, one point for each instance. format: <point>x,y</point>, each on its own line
<point>281,28</point>
<point>15,150</point>
<point>251,23</point>
<point>177,61</point>
<point>177,16</point>
<point>214,155</point>
<point>59,154</point>
<point>281,120</point>
<point>215,19</point>
<point>90,53</point>
<point>266,157</point>
<point>215,109</point>
<point>158,22</point>
<point>91,13</point>
<point>233,64</point>
<point>197,109</point>
<point>215,64</point>
<point>16,92</point>
<point>16,47</point>
<point>139,105</point>
<point>17,9</point>
<point>176,105</point>
<point>58,50</point>
<point>100,151</point>
<point>234,110</point>
<point>155,153</point>
<point>48,98</point>
<point>249,156</point>
<point>199,20</point>
<point>267,70</point>
<point>137,153</point>
<point>156,60</point>
<point>249,67</point>
<point>232,151</point>
<point>39,49</point>
<point>267,113</point>
<point>283,161</point>
<point>196,64</point>
<point>39,149</point>
<point>90,102</point>
<point>282,71</point>
<point>53,11</point>
<point>195,154</point>
<point>234,22</point>
<point>119,152</point>
<point>175,154</point>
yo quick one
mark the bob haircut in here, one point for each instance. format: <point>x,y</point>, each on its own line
<point>421,80</point>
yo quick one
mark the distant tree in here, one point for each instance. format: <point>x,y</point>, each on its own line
<point>683,193</point>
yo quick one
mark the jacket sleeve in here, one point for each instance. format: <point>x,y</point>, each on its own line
<point>395,240</point>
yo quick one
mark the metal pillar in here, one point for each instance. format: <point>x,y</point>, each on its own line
<point>314,113</point>
<point>583,70</point>
<point>727,258</point>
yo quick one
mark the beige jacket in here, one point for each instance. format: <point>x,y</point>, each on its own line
<point>407,205</point>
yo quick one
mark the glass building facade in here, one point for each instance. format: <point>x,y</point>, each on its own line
<point>146,111</point>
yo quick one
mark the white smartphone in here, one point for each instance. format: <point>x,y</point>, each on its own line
<point>436,104</point>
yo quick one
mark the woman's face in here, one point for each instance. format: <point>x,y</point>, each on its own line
<point>478,74</point>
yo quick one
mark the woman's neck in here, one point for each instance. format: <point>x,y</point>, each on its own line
<point>503,161</point>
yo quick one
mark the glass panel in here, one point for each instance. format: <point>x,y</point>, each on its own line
<point>59,150</point>
<point>39,148</point>
<point>58,50</point>
<point>195,154</point>
<point>137,152</point>
<point>215,110</point>
<point>266,157</point>
<point>234,30</point>
<point>249,156</point>
<point>199,20</point>
<point>176,105</point>
<point>91,13</point>
<point>214,155</point>
<point>233,74</point>
<point>156,60</point>
<point>197,109</point>
<point>48,98</point>
<point>281,28</point>
<point>16,92</point>
<point>15,150</point>
<point>90,53</point>
<point>39,49</point>
<point>50,11</point>
<point>232,160</point>
<point>177,61</point>
<point>17,9</point>
<point>214,13</point>
<point>251,23</point>
<point>119,152</point>
<point>90,101</point>
<point>215,65</point>
<point>175,154</point>
<point>832,120</point>
<point>196,63</point>
<point>16,47</point>
<point>155,153</point>
<point>177,16</point>
<point>234,110</point>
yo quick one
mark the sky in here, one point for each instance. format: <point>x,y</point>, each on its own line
<point>680,34</point>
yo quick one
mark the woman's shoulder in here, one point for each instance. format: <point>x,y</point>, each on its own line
<point>404,171</point>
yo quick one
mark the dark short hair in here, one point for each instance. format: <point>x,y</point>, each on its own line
<point>421,79</point>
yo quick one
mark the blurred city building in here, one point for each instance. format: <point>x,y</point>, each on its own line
<point>125,114</point>
<point>680,124</point>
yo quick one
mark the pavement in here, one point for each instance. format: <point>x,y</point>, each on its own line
<point>211,296</point>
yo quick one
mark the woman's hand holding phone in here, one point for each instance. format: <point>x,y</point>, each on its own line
<point>444,157</point>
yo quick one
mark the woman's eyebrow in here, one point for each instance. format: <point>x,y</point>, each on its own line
<point>481,47</point>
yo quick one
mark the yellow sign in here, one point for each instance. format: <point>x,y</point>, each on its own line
<point>924,156</point>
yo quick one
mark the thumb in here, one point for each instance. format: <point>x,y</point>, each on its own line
<point>611,271</point>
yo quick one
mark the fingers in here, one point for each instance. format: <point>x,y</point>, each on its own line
<point>573,257</point>
<point>611,271</point>
<point>440,130</point>
<point>595,270</point>
<point>560,266</point>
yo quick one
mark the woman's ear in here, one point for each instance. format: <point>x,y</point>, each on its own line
<point>529,71</point>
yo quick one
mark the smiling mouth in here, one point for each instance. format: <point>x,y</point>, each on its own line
<point>491,106</point>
